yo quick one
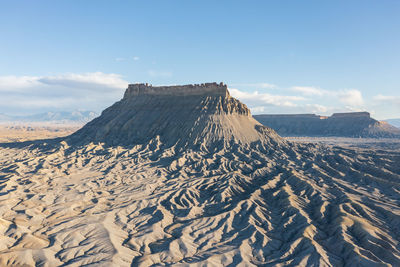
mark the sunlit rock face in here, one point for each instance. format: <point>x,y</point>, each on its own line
<point>188,115</point>
<point>186,177</point>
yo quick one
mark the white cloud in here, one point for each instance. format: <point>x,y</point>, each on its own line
<point>92,79</point>
<point>97,90</point>
<point>258,99</point>
<point>38,102</point>
<point>303,102</point>
<point>351,97</point>
<point>86,80</point>
<point>309,90</point>
<point>135,58</point>
<point>258,110</point>
<point>70,91</point>
<point>10,83</point>
<point>387,105</point>
<point>119,59</point>
<point>316,108</point>
<point>387,99</point>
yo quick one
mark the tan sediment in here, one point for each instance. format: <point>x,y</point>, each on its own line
<point>249,200</point>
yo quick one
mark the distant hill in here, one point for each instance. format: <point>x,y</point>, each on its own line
<point>394,122</point>
<point>353,124</point>
<point>59,116</point>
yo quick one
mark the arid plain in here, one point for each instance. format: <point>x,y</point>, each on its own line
<point>196,181</point>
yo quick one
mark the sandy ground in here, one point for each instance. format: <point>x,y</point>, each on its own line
<point>188,180</point>
<point>392,144</point>
<point>237,206</point>
<point>18,132</point>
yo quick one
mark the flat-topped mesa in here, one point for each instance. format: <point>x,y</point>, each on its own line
<point>204,89</point>
<point>305,115</point>
<point>352,114</point>
<point>350,124</point>
<point>183,116</point>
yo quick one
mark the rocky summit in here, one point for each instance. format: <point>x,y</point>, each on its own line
<point>184,176</point>
<point>187,115</point>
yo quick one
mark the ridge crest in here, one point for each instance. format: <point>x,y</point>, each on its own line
<point>203,89</point>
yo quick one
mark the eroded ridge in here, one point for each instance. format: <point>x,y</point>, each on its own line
<point>203,115</point>
<point>155,181</point>
<point>144,206</point>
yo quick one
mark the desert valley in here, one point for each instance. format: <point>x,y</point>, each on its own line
<point>197,181</point>
<point>199,133</point>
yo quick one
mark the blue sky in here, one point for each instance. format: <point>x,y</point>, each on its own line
<point>276,56</point>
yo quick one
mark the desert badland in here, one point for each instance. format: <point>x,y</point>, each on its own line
<point>194,180</point>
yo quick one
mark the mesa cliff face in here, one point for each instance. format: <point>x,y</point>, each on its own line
<point>188,115</point>
<point>353,124</point>
<point>204,89</point>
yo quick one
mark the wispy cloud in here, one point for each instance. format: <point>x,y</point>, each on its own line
<point>302,99</point>
<point>85,80</point>
<point>309,90</point>
<point>258,99</point>
<point>93,90</point>
<point>97,90</point>
<point>136,58</point>
<point>317,108</point>
<point>387,99</point>
<point>351,97</point>
<point>13,83</point>
<point>390,104</point>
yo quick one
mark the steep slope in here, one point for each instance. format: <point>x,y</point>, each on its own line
<point>142,195</point>
<point>189,115</point>
<point>355,124</point>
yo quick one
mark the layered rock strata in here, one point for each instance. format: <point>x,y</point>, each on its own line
<point>188,115</point>
<point>353,124</point>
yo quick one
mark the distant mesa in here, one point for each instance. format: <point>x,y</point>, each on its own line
<point>363,114</point>
<point>202,115</point>
<point>394,122</point>
<point>351,124</point>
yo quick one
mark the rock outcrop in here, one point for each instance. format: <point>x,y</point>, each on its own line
<point>187,115</point>
<point>353,124</point>
<point>204,89</point>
